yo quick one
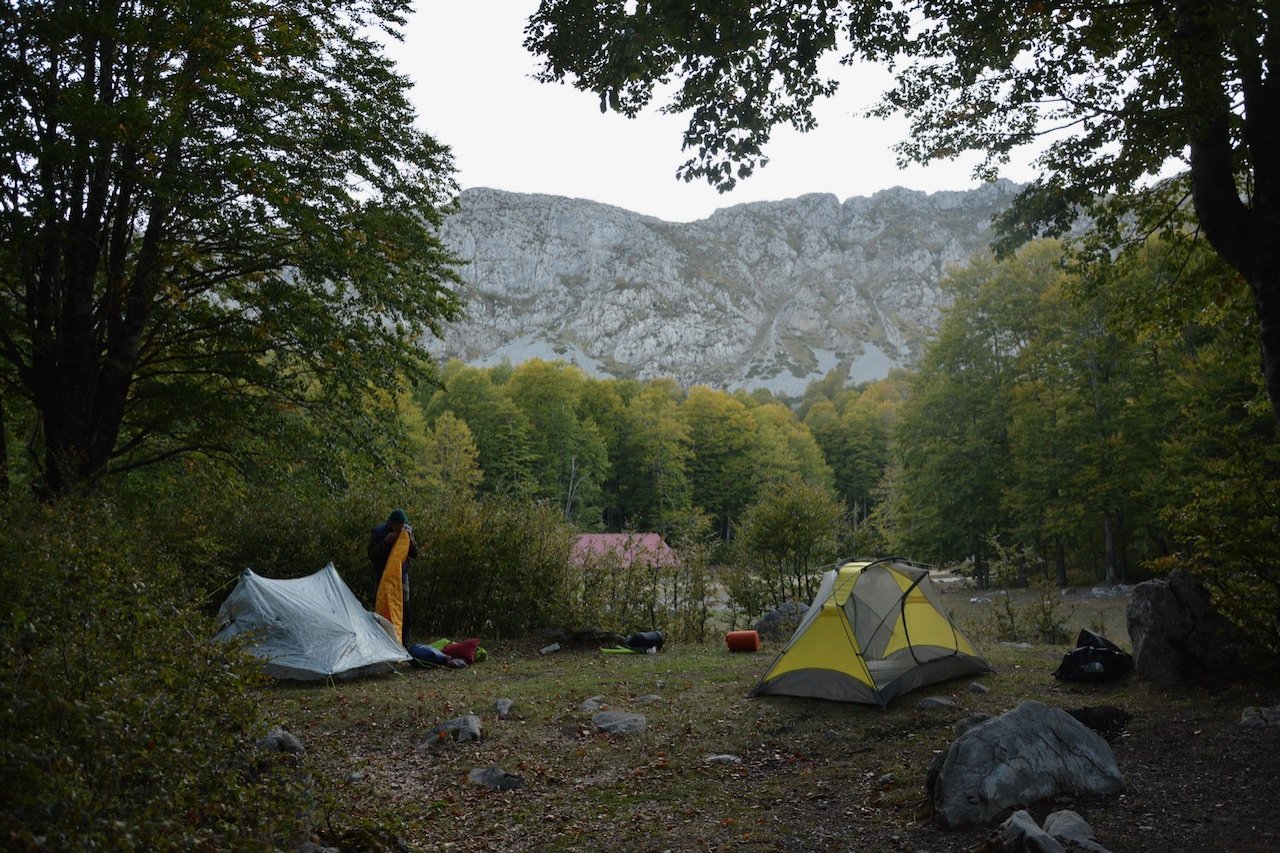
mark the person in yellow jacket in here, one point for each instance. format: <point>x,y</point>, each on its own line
<point>391,547</point>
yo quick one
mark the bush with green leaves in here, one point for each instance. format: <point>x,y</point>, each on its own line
<point>121,726</point>
<point>691,592</point>
<point>494,566</point>
<point>283,521</point>
<point>1221,474</point>
<point>789,537</point>
<point>610,592</point>
<point>1041,619</point>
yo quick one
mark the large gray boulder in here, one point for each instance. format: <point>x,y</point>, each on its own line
<point>1177,633</point>
<point>779,624</point>
<point>1019,758</point>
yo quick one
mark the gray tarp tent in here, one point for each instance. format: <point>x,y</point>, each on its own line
<point>307,628</point>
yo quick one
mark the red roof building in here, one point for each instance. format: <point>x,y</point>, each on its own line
<point>631,548</point>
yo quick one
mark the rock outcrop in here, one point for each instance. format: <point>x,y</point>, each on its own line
<point>767,294</point>
<point>1178,635</point>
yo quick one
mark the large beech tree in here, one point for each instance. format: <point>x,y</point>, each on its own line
<point>1117,88</point>
<point>211,212</point>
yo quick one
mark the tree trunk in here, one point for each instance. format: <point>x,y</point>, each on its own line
<point>1122,549</point>
<point>1244,234</point>
<point>980,568</point>
<point>1109,544</point>
<point>1264,284</point>
<point>82,403</point>
<point>1060,559</point>
<point>4,452</point>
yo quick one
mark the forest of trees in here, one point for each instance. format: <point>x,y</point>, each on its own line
<point>1056,427</point>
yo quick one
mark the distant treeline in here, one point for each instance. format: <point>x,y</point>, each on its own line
<point>623,454</point>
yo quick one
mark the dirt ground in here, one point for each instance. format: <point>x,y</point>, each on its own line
<point>813,775</point>
<point>1196,780</point>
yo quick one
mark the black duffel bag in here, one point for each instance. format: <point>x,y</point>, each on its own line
<point>643,641</point>
<point>1095,658</point>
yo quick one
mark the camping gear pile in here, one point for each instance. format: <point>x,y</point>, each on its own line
<point>639,643</point>
<point>876,629</point>
<point>445,652</point>
<point>307,628</point>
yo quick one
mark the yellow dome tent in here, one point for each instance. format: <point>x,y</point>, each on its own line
<point>876,629</point>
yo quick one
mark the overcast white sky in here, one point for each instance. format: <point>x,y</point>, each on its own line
<point>474,93</point>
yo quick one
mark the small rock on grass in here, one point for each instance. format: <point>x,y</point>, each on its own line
<point>594,703</point>
<point>280,740</point>
<point>458,730</point>
<point>969,722</point>
<point>1255,716</point>
<point>496,778</point>
<point>618,722</point>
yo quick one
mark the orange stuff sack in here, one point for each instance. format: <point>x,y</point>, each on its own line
<point>743,641</point>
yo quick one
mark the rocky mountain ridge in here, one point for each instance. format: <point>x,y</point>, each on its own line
<point>765,294</point>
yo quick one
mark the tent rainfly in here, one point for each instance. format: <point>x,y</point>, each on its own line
<point>875,630</point>
<point>307,628</point>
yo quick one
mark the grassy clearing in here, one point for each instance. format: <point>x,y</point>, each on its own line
<point>810,770</point>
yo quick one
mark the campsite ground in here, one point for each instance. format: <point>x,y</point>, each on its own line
<point>814,775</point>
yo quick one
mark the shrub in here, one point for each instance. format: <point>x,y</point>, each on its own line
<point>612,593</point>
<point>280,523</point>
<point>122,726</point>
<point>1040,620</point>
<point>748,593</point>
<point>1221,472</point>
<point>495,565</point>
<point>1007,566</point>
<point>692,588</point>
<point>609,593</point>
<point>789,536</point>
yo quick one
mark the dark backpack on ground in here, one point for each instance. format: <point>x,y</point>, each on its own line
<point>1094,659</point>
<point>642,641</point>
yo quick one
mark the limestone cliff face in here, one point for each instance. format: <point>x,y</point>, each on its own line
<point>767,294</point>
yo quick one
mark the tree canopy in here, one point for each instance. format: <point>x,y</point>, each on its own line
<point>1116,91</point>
<point>213,213</point>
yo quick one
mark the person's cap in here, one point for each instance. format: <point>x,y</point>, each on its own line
<point>397,516</point>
